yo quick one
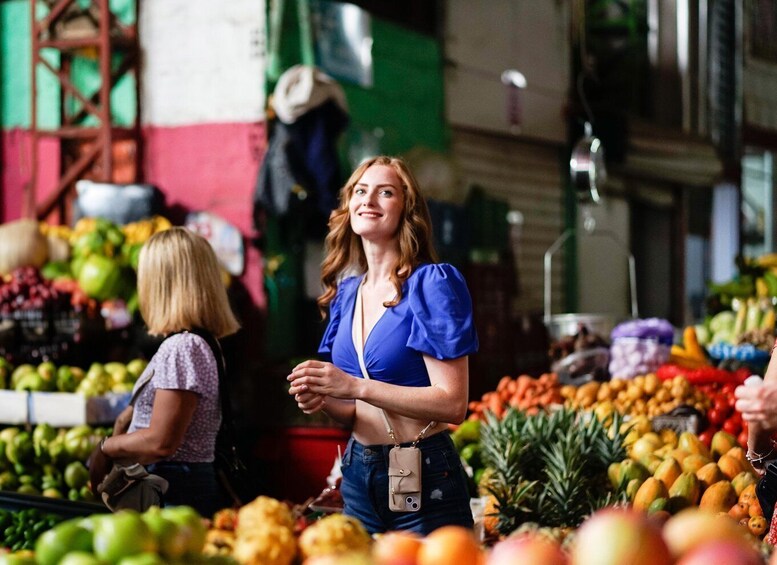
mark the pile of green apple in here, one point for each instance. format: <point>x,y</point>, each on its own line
<point>155,537</point>
<point>99,379</point>
<point>48,461</point>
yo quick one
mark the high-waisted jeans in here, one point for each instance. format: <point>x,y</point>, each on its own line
<point>444,497</point>
<point>191,484</point>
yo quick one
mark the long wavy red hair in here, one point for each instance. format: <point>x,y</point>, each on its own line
<point>344,248</point>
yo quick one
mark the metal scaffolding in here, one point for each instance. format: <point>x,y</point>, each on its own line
<point>70,29</point>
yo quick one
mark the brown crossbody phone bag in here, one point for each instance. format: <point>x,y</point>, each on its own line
<point>404,467</point>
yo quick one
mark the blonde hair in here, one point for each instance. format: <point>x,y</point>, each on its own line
<point>344,248</point>
<point>180,286</point>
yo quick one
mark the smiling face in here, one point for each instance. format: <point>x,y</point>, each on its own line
<point>376,204</point>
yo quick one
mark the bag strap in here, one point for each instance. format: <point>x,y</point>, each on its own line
<point>227,422</point>
<point>358,343</point>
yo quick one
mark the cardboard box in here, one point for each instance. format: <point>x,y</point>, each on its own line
<point>14,407</point>
<point>65,409</point>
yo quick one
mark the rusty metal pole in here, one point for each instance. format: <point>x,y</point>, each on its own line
<point>105,91</point>
<point>28,198</point>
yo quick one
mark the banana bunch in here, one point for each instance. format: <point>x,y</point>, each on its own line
<point>139,232</point>
<point>83,226</point>
<point>690,354</point>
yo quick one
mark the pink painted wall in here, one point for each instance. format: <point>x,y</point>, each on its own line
<point>209,167</point>
<point>16,171</point>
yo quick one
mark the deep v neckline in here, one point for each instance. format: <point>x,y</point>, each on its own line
<point>358,316</point>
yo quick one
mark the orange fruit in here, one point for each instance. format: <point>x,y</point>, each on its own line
<point>396,548</point>
<point>451,545</point>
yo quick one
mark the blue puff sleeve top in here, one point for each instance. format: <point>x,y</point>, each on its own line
<point>433,318</point>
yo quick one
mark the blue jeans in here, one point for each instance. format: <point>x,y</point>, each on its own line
<point>444,497</point>
<point>191,484</point>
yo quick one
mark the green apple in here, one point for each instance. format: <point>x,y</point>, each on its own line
<point>57,542</point>
<point>11,559</point>
<point>172,539</point>
<point>79,558</point>
<point>143,559</point>
<point>190,524</point>
<point>121,535</point>
<point>136,367</point>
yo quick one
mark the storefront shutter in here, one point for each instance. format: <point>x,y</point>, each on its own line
<point>529,177</point>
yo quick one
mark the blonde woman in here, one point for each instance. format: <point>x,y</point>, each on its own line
<point>172,428</point>
<point>416,333</point>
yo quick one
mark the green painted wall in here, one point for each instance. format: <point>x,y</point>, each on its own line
<point>406,100</point>
<point>15,79</point>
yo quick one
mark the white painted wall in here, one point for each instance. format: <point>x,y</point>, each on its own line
<point>202,61</point>
<point>531,36</point>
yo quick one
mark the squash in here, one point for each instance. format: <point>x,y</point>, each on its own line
<point>21,245</point>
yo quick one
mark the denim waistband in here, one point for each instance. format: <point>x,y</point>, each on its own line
<point>379,452</point>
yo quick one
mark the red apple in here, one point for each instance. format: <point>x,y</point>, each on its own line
<point>527,548</point>
<point>614,536</point>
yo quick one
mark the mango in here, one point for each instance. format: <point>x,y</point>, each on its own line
<point>719,497</point>
<point>669,436</point>
<point>630,470</point>
<point>645,445</point>
<point>739,453</point>
<point>686,486</point>
<point>709,475</point>
<point>721,443</point>
<point>633,487</point>
<point>658,505</point>
<point>648,492</point>
<point>690,442</point>
<point>742,481</point>
<point>679,454</point>
<point>614,473</point>
<point>668,471</point>
<point>651,462</point>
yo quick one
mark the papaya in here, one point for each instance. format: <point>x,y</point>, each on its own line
<point>739,454</point>
<point>648,492</point>
<point>679,454</point>
<point>694,462</point>
<point>721,443</point>
<point>719,497</point>
<point>631,469</point>
<point>690,442</point>
<point>731,466</point>
<point>686,486</point>
<point>709,475</point>
<point>668,471</point>
<point>742,481</point>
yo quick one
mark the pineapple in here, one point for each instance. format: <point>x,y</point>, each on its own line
<point>550,468</point>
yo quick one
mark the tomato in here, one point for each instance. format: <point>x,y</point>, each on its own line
<point>742,439</point>
<point>732,426</point>
<point>716,417</point>
<point>721,403</point>
<point>706,436</point>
